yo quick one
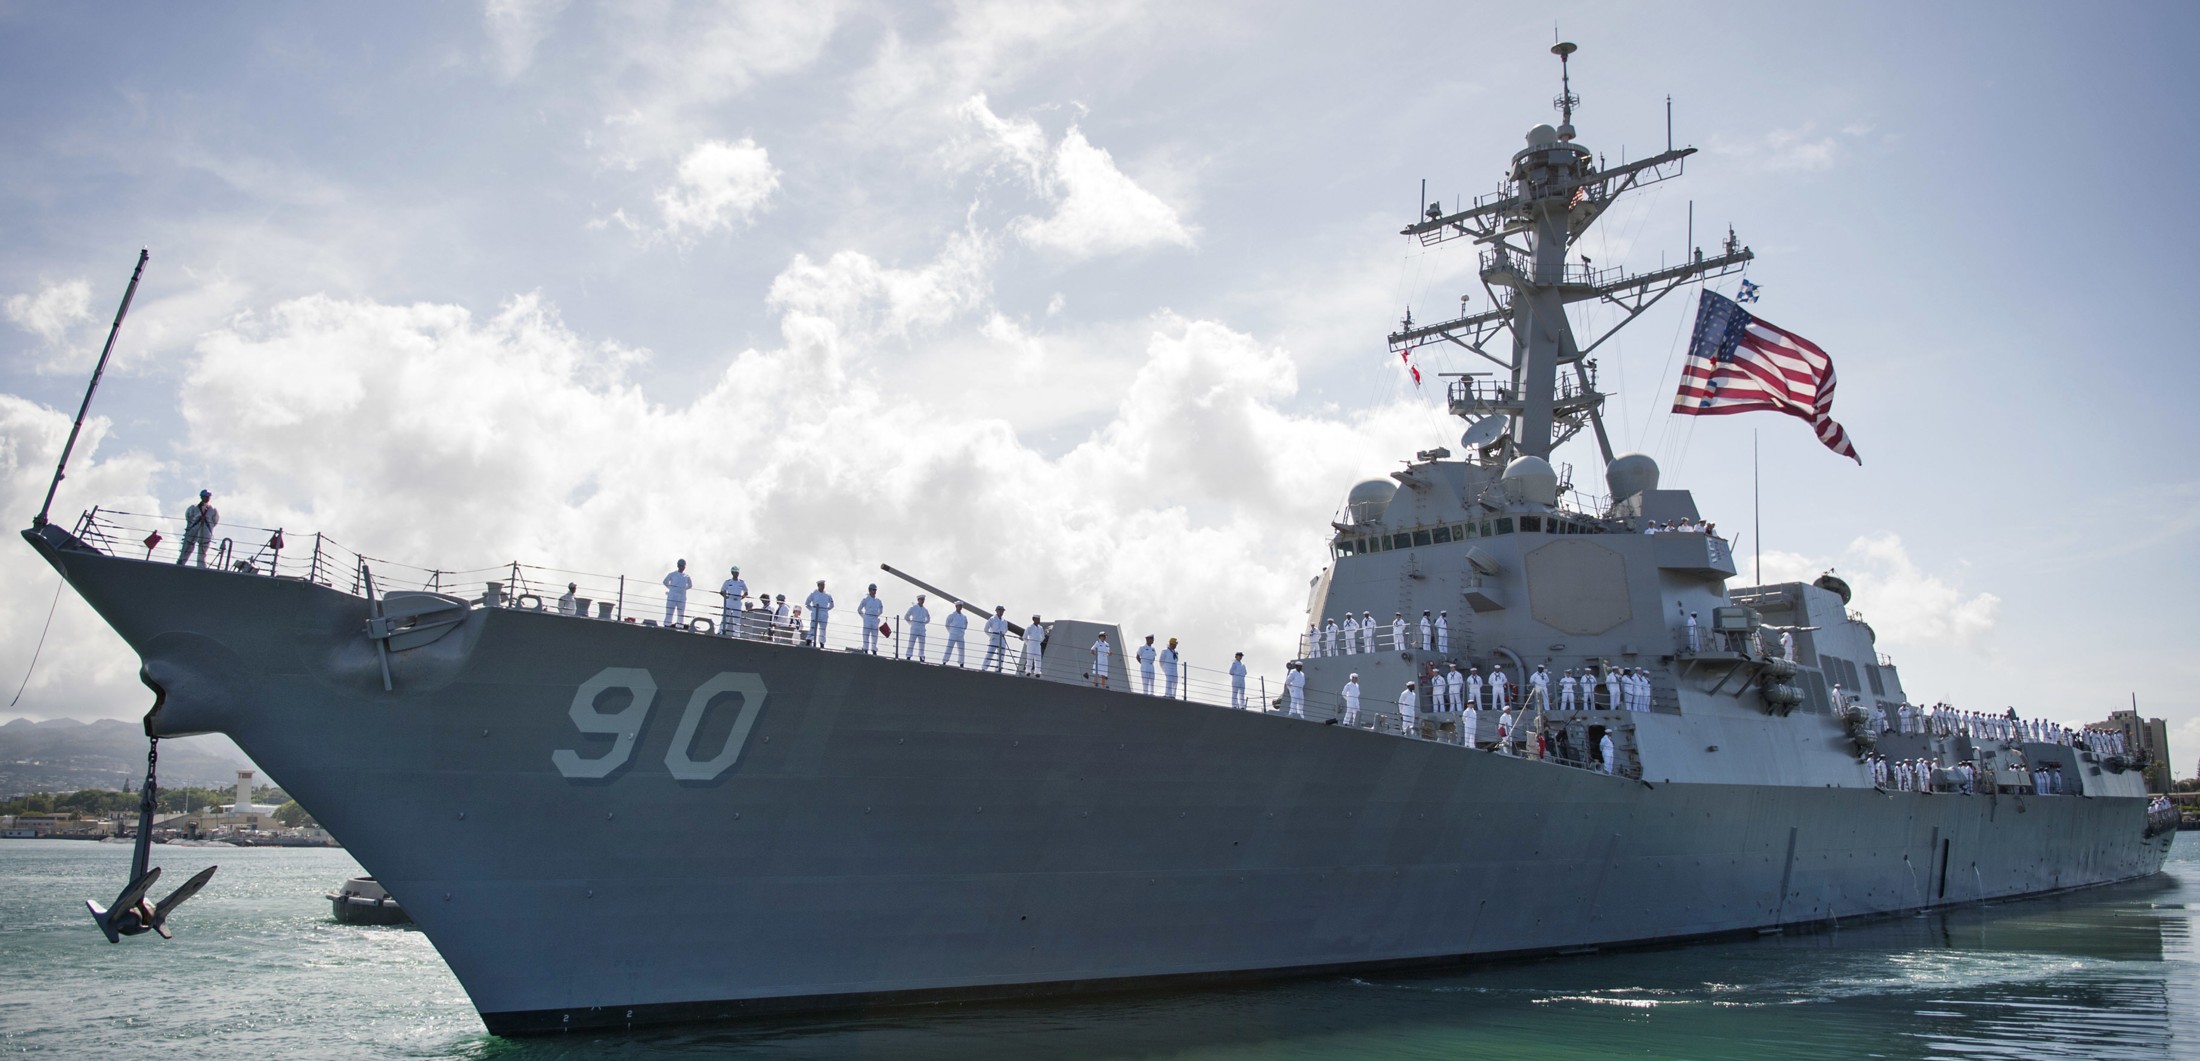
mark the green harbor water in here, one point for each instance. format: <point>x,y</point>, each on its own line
<point>258,969</point>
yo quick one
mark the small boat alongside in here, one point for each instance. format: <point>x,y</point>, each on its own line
<point>363,901</point>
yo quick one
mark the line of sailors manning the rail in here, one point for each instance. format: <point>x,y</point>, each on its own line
<point>771,618</point>
<point>1465,695</point>
<point>1941,720</point>
<point>1919,775</point>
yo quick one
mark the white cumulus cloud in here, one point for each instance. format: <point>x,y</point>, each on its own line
<point>718,185</point>
<point>52,310</point>
<point>1905,605</point>
<point>1097,208</point>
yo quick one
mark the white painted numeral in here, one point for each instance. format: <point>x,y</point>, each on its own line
<point>623,726</point>
<point>751,688</point>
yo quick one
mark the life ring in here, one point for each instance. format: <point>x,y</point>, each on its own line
<point>521,602</point>
<point>702,626</point>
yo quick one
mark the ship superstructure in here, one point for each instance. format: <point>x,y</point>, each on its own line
<point>603,823</point>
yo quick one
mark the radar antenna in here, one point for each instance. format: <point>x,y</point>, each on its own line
<point>1566,101</point>
<point>1554,192</point>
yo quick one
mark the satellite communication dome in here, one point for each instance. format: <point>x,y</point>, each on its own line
<point>1541,135</point>
<point>1368,500</point>
<point>1531,479</point>
<point>1631,474</point>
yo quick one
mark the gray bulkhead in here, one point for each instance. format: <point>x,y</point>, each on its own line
<point>1526,583</point>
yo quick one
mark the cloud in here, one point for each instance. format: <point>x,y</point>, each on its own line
<point>851,295</point>
<point>515,28</point>
<point>84,670</point>
<point>1097,209</point>
<point>1798,150</point>
<point>53,310</point>
<point>1906,606</point>
<point>668,66</point>
<point>437,437</point>
<point>718,185</point>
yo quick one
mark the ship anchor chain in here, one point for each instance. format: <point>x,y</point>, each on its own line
<point>132,913</point>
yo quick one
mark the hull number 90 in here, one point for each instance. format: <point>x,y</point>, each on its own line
<point>625,725</point>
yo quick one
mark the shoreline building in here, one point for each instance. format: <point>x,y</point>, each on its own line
<point>2145,739</point>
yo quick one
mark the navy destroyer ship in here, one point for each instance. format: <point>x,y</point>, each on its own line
<point>603,822</point>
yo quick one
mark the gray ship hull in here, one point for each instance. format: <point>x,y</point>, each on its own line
<point>883,831</point>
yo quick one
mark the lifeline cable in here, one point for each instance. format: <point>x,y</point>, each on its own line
<point>41,643</point>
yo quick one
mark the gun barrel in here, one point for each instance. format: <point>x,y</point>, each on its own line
<point>943,594</point>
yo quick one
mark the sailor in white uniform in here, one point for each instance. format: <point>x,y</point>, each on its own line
<point>996,640</point>
<point>1497,683</point>
<point>1474,687</point>
<point>1695,637</point>
<point>1035,640</point>
<point>1443,633</point>
<point>199,522</point>
<point>1367,632</point>
<point>914,621</point>
<point>1294,691</point>
<point>1145,666</point>
<point>1566,689</point>
<point>1351,631</point>
<point>1237,681</point>
<point>1329,638</point>
<point>1539,689</point>
<point>734,591</point>
<point>1168,669</point>
<point>1428,632</point>
<point>1398,631</point>
<point>1604,748</point>
<point>820,604</point>
<point>1505,732</point>
<point>1352,700</point>
<point>676,594</point>
<point>868,612</point>
<point>1455,686</point>
<point>956,624</point>
<point>1787,645</point>
<point>568,604</point>
<point>1101,652</point>
<point>1469,721</point>
<point>1408,717</point>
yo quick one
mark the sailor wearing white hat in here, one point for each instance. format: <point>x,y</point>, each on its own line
<point>996,640</point>
<point>868,611</point>
<point>820,604</point>
<point>956,624</point>
<point>676,593</point>
<point>1035,643</point>
<point>733,590</point>
<point>914,621</point>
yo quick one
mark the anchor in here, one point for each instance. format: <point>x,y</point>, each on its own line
<point>132,913</point>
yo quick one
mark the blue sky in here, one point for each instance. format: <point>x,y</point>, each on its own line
<point>1082,305</point>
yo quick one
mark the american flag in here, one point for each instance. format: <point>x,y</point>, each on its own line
<point>1739,364</point>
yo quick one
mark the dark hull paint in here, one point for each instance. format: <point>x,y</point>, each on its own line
<point>903,834</point>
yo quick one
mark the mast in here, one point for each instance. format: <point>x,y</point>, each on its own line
<point>1554,192</point>
<point>61,468</point>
